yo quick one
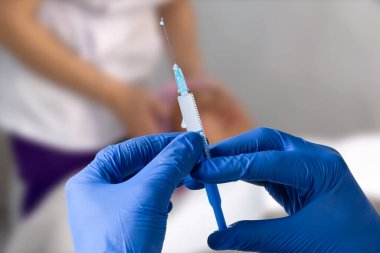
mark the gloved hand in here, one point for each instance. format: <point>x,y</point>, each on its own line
<point>328,212</point>
<point>108,213</point>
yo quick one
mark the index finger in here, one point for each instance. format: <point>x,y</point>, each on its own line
<point>281,167</point>
<point>117,162</point>
<point>257,140</point>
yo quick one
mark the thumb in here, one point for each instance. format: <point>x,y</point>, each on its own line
<point>263,236</point>
<point>175,161</point>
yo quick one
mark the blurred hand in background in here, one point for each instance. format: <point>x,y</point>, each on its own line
<point>221,114</point>
<point>139,110</point>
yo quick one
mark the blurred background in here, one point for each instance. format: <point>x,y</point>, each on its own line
<point>310,68</point>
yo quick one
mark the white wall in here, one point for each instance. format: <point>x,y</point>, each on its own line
<point>304,66</point>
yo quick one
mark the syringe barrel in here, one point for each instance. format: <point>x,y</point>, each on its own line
<point>192,123</point>
<point>191,119</point>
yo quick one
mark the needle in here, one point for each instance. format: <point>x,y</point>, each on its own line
<point>162,23</point>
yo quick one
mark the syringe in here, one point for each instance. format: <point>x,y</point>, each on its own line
<point>192,122</point>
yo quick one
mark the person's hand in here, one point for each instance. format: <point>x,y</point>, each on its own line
<point>328,212</point>
<point>120,201</point>
<point>139,110</point>
<point>222,115</point>
<point>220,110</point>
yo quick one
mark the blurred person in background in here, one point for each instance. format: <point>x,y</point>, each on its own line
<point>72,81</point>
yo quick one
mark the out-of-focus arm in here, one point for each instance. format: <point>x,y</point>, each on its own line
<point>181,25</point>
<point>27,39</point>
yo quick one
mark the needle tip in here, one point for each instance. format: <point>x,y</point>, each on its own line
<point>162,23</point>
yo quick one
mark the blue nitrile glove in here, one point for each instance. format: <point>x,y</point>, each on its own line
<point>109,214</point>
<point>328,212</point>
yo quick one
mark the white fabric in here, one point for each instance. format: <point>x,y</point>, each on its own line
<point>121,37</point>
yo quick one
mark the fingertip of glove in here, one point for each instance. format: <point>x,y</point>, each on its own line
<point>170,207</point>
<point>194,185</point>
<point>216,240</point>
<point>191,183</point>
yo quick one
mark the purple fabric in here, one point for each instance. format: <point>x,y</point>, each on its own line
<point>41,168</point>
